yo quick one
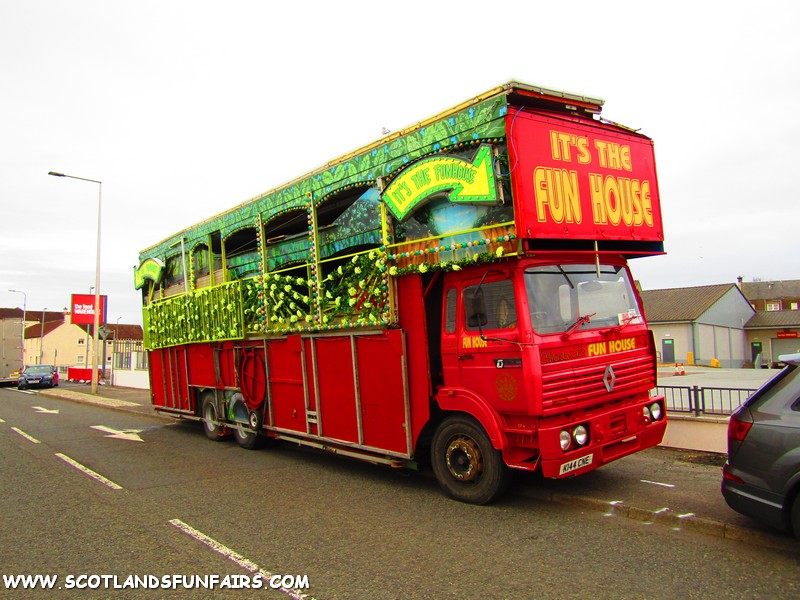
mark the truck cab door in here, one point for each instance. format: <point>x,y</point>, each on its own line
<point>490,361</point>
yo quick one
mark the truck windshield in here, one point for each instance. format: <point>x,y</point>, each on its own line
<point>572,297</point>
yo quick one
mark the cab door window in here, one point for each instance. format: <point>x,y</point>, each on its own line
<point>497,310</point>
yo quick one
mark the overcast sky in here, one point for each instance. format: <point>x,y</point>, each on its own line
<point>184,109</point>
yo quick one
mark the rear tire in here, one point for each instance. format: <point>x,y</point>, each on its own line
<point>465,463</point>
<point>215,430</point>
<point>245,438</point>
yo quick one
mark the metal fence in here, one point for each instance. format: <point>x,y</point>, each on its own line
<point>703,400</point>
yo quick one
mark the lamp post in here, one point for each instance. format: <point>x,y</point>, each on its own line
<point>22,325</point>
<point>41,339</point>
<point>96,329</point>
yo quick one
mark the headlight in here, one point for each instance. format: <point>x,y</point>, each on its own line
<point>565,439</point>
<point>581,435</point>
<point>655,410</point>
<point>646,413</point>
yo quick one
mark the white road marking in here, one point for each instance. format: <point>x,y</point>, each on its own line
<point>662,510</point>
<point>123,434</point>
<point>666,485</point>
<point>30,438</point>
<point>237,558</point>
<point>1,421</point>
<point>685,515</point>
<point>46,411</point>
<point>89,472</point>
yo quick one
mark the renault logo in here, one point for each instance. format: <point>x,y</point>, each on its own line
<point>609,377</point>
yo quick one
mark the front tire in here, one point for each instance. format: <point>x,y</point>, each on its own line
<point>466,465</point>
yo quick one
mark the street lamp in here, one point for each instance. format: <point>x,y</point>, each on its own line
<point>96,329</point>
<point>41,339</point>
<point>22,325</point>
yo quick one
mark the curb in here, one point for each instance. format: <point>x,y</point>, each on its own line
<point>671,519</point>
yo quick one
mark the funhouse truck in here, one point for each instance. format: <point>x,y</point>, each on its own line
<point>453,295</point>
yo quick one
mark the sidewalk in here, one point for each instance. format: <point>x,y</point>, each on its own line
<point>660,486</point>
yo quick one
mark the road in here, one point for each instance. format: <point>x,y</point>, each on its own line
<point>176,503</point>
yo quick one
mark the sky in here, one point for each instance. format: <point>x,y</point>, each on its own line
<point>184,109</point>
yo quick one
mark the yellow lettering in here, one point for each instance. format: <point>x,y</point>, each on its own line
<point>611,199</point>
<point>584,157</point>
<point>597,349</point>
<point>613,156</point>
<point>622,345</point>
<point>598,206</point>
<point>646,205</point>
<point>625,158</point>
<point>636,198</point>
<point>558,194</point>
<point>561,145</point>
<point>620,200</point>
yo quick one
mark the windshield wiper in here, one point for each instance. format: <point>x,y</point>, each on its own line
<point>581,321</point>
<point>625,322</point>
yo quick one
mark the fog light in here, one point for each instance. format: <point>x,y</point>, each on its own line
<point>655,410</point>
<point>581,435</point>
<point>565,440</point>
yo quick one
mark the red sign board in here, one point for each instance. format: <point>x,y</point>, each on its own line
<point>787,334</point>
<point>83,309</point>
<point>582,180</point>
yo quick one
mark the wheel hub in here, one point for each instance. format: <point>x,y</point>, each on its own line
<point>463,458</point>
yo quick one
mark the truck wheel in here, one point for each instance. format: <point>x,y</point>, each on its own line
<point>246,439</point>
<point>215,431</point>
<point>465,463</point>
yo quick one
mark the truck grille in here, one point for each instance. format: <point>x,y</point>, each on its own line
<point>586,384</point>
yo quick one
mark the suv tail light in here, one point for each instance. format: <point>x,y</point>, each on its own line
<point>738,429</point>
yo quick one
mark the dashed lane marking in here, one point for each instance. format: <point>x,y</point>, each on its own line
<point>89,472</point>
<point>235,557</point>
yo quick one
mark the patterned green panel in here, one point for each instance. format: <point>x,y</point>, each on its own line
<point>355,293</point>
<point>211,314</point>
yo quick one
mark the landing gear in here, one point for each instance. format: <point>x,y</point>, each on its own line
<point>465,463</point>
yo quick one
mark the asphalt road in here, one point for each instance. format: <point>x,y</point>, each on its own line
<point>185,505</point>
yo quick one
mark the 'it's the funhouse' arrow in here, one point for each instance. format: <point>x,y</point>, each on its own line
<point>469,182</point>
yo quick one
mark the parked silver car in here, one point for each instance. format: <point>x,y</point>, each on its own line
<point>761,478</point>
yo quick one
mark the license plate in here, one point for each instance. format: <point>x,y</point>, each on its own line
<point>35,380</point>
<point>578,463</point>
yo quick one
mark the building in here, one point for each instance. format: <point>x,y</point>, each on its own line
<point>774,329</point>
<point>702,325</point>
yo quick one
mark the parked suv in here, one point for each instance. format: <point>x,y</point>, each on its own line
<point>38,376</point>
<point>762,476</point>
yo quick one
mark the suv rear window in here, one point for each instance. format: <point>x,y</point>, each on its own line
<point>784,387</point>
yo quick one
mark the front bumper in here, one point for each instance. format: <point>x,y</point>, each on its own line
<point>613,433</point>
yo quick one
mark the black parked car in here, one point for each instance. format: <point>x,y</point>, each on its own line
<point>38,376</point>
<point>762,476</point>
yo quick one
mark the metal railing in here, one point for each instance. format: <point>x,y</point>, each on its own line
<point>699,400</point>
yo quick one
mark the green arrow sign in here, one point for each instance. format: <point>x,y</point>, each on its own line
<point>469,182</point>
<point>152,268</point>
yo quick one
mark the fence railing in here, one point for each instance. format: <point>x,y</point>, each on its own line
<point>703,400</point>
